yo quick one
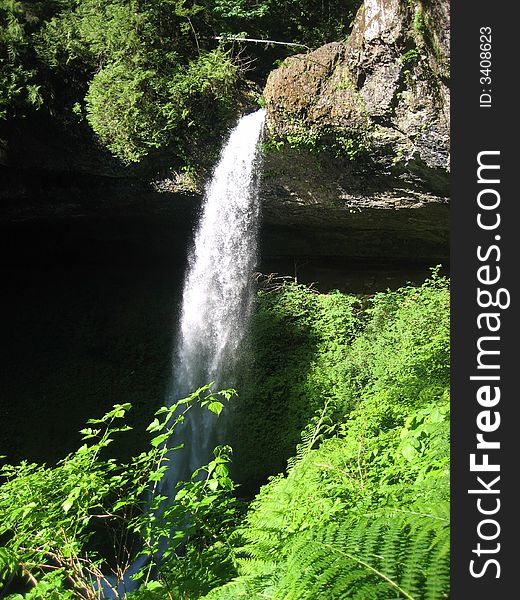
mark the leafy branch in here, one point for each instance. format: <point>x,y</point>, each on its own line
<point>50,516</point>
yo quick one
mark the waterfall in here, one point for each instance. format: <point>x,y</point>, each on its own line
<point>217,294</point>
<point>216,304</point>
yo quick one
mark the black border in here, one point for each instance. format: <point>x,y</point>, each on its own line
<point>475,129</point>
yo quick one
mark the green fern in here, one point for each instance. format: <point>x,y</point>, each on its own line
<point>396,554</point>
<point>387,555</point>
<point>320,426</point>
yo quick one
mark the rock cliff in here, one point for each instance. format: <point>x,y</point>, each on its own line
<point>357,151</point>
<point>361,131</point>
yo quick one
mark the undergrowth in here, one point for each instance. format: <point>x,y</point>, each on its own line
<point>363,509</point>
<point>360,510</point>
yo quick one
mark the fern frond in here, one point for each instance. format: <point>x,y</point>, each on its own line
<point>319,426</point>
<point>392,555</point>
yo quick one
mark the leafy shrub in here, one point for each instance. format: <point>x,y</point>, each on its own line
<point>358,517</point>
<point>366,513</point>
<point>404,350</point>
<point>351,144</point>
<point>361,512</point>
<point>309,349</point>
<point>148,75</point>
<point>122,108</point>
<point>67,529</point>
<point>134,109</point>
<point>299,340</point>
<point>19,83</point>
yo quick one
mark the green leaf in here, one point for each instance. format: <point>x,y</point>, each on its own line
<point>160,439</point>
<point>408,451</point>
<point>221,470</point>
<point>155,425</point>
<point>215,407</point>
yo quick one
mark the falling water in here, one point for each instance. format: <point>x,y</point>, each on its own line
<point>217,293</point>
<point>216,303</point>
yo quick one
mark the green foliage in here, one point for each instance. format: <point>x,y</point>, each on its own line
<point>300,21</point>
<point>403,355</point>
<point>149,75</point>
<point>65,528</point>
<point>354,518</point>
<point>361,512</point>
<point>122,108</point>
<point>419,23</point>
<point>349,144</point>
<point>363,509</point>
<point>352,144</point>
<point>134,109</point>
<point>410,57</point>
<point>19,83</point>
<point>373,556</point>
<point>310,349</point>
<point>299,339</point>
<point>152,85</point>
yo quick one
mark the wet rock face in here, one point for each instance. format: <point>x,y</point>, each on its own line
<point>389,81</point>
<point>391,75</point>
<point>312,90</point>
<point>389,84</point>
<point>314,206</point>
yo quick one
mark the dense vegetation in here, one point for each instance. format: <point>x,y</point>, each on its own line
<point>335,480</point>
<point>361,510</point>
<point>149,74</point>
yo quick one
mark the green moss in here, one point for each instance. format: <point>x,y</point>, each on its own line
<point>419,21</point>
<point>424,28</point>
<point>410,57</point>
<point>339,142</point>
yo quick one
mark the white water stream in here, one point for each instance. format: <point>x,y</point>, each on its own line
<point>217,295</point>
